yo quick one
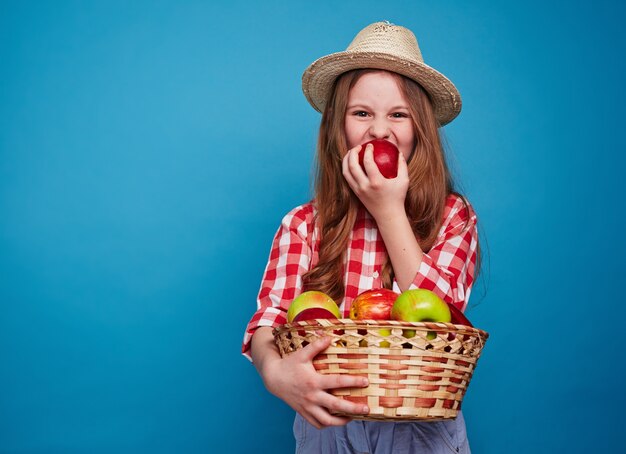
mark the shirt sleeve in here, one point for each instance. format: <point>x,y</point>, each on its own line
<point>448,267</point>
<point>289,259</point>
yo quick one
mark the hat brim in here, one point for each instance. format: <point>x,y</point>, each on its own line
<point>319,77</point>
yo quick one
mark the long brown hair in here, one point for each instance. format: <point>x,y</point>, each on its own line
<point>336,204</point>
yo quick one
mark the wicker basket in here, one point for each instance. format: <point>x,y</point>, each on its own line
<point>416,371</point>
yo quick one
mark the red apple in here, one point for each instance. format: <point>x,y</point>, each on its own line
<point>458,317</point>
<point>373,305</point>
<point>420,305</point>
<point>385,156</point>
<point>311,299</point>
<point>313,313</point>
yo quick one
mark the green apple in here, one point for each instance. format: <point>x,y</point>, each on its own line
<point>384,332</point>
<point>311,299</point>
<point>420,305</point>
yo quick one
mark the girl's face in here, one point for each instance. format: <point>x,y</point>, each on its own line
<point>377,109</point>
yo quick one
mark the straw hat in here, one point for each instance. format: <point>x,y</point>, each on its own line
<point>382,46</point>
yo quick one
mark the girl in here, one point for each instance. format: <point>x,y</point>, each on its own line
<point>363,231</point>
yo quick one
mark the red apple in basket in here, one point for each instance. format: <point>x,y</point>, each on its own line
<point>312,299</point>
<point>373,305</point>
<point>420,305</point>
<point>313,313</point>
<point>385,156</point>
<point>458,317</point>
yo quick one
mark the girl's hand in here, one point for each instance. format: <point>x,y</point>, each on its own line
<point>295,380</point>
<point>382,197</point>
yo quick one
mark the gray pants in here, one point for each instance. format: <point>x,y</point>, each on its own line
<point>439,437</point>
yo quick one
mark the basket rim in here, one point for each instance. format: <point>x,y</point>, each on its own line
<point>377,324</point>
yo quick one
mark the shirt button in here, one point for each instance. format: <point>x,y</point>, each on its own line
<point>375,275</point>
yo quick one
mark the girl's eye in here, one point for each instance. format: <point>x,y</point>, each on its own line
<point>399,115</point>
<point>360,113</point>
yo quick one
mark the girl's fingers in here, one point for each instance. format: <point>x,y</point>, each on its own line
<point>314,348</point>
<point>403,170</point>
<point>345,169</point>
<point>316,407</point>
<point>323,417</point>
<point>352,170</point>
<point>352,157</point>
<point>371,169</point>
<point>311,419</point>
<point>342,381</point>
<point>335,404</point>
<point>340,405</point>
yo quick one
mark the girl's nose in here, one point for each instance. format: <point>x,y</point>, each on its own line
<point>379,129</point>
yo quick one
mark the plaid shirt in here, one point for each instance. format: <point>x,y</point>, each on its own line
<point>447,269</point>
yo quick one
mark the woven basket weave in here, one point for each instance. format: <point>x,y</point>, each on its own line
<point>417,371</point>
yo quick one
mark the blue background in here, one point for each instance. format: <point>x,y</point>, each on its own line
<point>149,149</point>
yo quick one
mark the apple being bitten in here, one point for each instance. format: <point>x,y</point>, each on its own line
<point>385,156</point>
<point>312,299</point>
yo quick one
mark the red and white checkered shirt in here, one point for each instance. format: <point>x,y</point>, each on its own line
<point>447,269</point>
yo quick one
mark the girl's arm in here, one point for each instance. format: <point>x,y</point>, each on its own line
<point>384,199</point>
<point>404,251</point>
<point>295,380</point>
<point>448,267</point>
